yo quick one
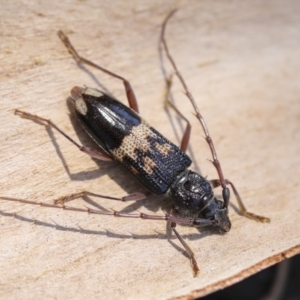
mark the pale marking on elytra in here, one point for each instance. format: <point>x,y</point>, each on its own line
<point>137,140</point>
<point>80,106</point>
<point>93,92</point>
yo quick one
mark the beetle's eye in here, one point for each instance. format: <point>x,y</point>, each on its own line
<point>187,184</point>
<point>207,187</point>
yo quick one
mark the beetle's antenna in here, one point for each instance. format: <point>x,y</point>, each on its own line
<point>208,138</point>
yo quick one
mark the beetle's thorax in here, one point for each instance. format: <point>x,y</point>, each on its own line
<point>194,198</point>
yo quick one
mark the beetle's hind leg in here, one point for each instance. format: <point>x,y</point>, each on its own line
<point>81,60</point>
<point>91,152</point>
<point>216,182</point>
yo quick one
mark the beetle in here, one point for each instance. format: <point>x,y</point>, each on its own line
<point>159,165</point>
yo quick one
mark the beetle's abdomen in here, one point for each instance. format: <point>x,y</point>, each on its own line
<point>121,133</point>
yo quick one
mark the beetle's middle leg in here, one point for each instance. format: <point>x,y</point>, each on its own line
<point>216,182</point>
<point>128,89</point>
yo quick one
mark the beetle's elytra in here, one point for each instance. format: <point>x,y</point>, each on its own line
<point>159,165</point>
<point>126,137</point>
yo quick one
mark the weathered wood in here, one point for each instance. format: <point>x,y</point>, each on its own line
<point>248,94</point>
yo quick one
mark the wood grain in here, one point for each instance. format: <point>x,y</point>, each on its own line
<point>241,62</point>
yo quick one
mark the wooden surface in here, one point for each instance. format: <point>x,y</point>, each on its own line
<point>241,62</point>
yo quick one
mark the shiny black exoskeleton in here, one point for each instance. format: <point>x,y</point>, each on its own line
<point>194,198</point>
<point>156,162</point>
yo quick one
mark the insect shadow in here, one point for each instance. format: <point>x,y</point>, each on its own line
<point>109,234</point>
<point>104,232</point>
<point>114,170</point>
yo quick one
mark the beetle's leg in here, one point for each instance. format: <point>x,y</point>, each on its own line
<point>216,182</point>
<point>171,226</point>
<point>187,132</point>
<point>97,211</point>
<point>80,60</point>
<point>129,197</point>
<point>215,161</point>
<point>188,250</point>
<point>91,152</point>
<point>169,218</point>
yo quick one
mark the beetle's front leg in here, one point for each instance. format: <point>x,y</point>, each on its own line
<point>216,182</point>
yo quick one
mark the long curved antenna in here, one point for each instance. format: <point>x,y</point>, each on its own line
<point>215,161</point>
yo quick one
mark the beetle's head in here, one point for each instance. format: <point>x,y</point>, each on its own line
<point>194,198</point>
<point>217,212</point>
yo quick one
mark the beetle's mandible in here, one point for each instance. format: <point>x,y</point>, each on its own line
<point>159,165</point>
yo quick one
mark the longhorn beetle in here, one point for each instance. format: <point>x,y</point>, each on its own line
<point>158,164</point>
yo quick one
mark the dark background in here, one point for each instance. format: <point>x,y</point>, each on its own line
<point>260,285</point>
